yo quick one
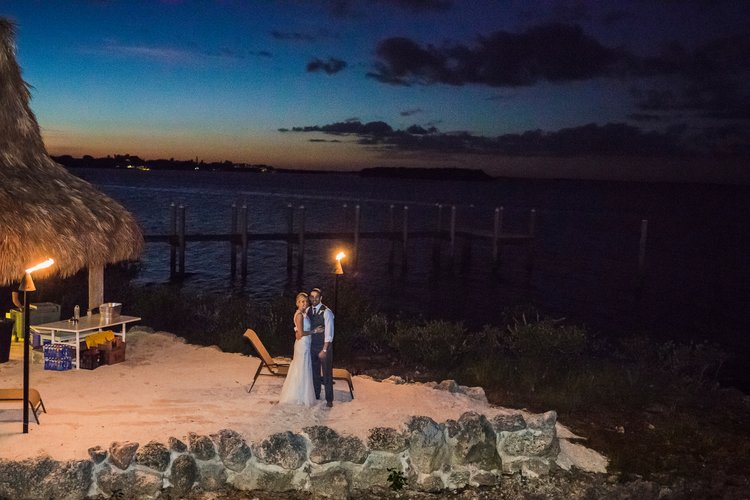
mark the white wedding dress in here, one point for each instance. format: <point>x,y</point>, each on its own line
<point>298,385</point>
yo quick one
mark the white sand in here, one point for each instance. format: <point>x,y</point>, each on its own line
<point>167,388</point>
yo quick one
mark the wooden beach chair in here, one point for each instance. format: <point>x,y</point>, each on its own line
<point>281,369</point>
<point>35,400</point>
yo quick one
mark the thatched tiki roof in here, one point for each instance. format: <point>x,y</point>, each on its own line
<point>44,210</point>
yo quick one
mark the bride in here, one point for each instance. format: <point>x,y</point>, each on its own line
<point>298,385</point>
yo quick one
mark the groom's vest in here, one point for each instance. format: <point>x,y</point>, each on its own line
<point>317,320</point>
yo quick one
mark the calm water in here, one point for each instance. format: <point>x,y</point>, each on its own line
<point>586,256</point>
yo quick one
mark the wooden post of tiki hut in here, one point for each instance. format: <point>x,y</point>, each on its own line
<point>47,212</point>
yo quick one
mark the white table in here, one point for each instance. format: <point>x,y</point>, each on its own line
<point>69,331</point>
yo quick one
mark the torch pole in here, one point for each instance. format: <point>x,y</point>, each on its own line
<point>26,345</point>
<point>336,294</point>
<point>27,285</point>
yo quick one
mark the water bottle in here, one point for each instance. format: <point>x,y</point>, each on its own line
<point>77,312</point>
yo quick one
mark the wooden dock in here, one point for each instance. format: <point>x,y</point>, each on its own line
<point>295,238</point>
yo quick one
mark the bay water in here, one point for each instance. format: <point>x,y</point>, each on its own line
<point>696,285</point>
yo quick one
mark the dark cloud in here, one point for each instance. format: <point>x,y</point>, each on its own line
<point>418,130</point>
<point>612,139</point>
<point>710,79</point>
<point>355,127</point>
<point>551,52</point>
<point>410,112</point>
<point>332,66</point>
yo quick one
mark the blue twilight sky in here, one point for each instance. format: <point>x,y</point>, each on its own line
<point>517,87</point>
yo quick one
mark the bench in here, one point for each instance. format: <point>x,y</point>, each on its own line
<point>35,400</point>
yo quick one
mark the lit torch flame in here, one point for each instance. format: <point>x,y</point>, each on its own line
<point>337,268</point>
<point>42,265</point>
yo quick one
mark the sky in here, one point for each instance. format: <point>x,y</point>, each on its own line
<point>641,89</point>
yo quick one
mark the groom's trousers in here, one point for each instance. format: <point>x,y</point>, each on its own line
<point>322,371</point>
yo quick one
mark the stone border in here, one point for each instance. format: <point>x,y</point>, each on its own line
<point>431,456</point>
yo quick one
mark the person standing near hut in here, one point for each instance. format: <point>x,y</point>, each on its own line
<point>321,347</point>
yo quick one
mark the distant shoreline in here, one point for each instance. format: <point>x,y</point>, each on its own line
<point>136,163</point>
<point>733,174</point>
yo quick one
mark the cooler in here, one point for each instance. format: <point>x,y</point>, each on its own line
<point>40,313</point>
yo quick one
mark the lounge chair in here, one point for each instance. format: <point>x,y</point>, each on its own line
<point>281,369</point>
<point>35,400</point>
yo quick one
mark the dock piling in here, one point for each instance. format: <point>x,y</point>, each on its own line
<point>243,239</point>
<point>289,237</point>
<point>392,237</point>
<point>452,238</point>
<point>405,240</point>
<point>355,250</point>
<point>233,243</point>
<point>172,240</point>
<point>301,243</point>
<point>531,249</point>
<point>181,239</point>
<point>437,240</point>
<point>642,253</point>
<point>497,228</point>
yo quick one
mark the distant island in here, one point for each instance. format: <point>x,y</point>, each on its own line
<point>133,162</point>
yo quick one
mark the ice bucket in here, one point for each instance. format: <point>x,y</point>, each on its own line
<point>110,311</point>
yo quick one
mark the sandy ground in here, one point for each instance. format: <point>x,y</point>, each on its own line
<point>167,388</point>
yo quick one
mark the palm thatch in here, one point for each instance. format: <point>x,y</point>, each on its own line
<point>44,210</point>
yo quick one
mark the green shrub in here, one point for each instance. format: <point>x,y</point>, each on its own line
<point>696,362</point>
<point>375,335</point>
<point>544,339</point>
<point>435,344</point>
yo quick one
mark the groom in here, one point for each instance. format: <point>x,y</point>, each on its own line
<point>321,345</point>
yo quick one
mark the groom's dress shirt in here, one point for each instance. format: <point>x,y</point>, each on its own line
<point>328,317</point>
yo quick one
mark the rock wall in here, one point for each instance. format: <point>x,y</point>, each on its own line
<point>430,456</point>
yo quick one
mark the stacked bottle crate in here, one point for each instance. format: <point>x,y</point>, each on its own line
<point>58,357</point>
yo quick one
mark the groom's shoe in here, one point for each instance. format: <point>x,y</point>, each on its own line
<point>329,404</point>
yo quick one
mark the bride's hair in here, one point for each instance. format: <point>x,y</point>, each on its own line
<point>300,296</point>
